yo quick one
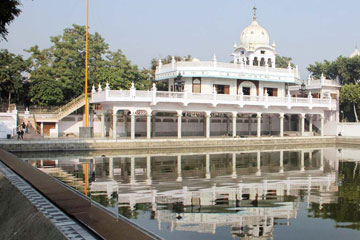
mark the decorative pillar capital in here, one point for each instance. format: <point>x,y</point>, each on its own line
<point>258,115</point>
<point>302,115</point>
<point>234,114</point>
<point>281,115</point>
<point>208,114</point>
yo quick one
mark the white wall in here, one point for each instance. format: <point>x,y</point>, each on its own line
<point>8,124</point>
<point>349,129</point>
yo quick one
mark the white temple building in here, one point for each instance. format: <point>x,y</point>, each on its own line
<point>250,96</point>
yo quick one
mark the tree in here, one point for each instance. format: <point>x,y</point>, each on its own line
<point>119,73</point>
<point>155,62</point>
<point>9,9</point>
<point>283,62</point>
<point>62,67</point>
<point>12,68</point>
<point>346,69</point>
<point>350,95</point>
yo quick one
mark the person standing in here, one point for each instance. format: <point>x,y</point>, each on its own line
<point>23,128</point>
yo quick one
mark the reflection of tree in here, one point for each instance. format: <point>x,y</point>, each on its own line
<point>103,199</point>
<point>347,209</point>
<point>126,211</point>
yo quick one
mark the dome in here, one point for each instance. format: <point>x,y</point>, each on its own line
<point>254,34</point>
<point>356,52</point>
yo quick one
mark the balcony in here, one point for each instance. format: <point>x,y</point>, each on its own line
<point>227,70</point>
<point>155,97</point>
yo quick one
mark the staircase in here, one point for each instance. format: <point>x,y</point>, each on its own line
<point>62,111</point>
<point>315,127</point>
<point>65,177</point>
<point>70,107</point>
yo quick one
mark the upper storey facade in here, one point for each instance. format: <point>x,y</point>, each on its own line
<point>252,72</point>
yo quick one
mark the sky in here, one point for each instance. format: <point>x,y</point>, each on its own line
<point>305,30</point>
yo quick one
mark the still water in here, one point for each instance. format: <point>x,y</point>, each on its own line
<point>307,193</point>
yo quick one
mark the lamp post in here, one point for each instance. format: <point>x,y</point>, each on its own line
<point>86,131</point>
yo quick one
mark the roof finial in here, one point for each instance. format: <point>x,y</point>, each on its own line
<point>254,17</point>
<point>356,46</point>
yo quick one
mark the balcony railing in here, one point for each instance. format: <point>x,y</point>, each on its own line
<point>154,97</point>
<point>228,70</point>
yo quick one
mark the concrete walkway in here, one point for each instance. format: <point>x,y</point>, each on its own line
<point>75,205</point>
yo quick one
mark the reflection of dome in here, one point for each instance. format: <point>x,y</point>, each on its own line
<point>254,34</point>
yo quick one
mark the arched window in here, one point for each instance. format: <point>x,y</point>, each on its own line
<point>269,62</point>
<point>196,85</point>
<point>262,62</point>
<point>255,62</point>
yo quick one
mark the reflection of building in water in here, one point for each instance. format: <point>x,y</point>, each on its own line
<point>248,191</point>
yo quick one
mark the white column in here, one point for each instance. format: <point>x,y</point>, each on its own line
<point>132,170</point>
<point>234,115</point>
<point>310,124</point>
<point>42,129</point>
<point>148,125</point>
<point>132,127</point>
<point>258,124</point>
<point>179,124</point>
<point>179,177</point>
<point>148,170</point>
<point>302,123</point>
<point>258,158</point>
<point>207,175</point>
<point>281,162</point>
<point>57,129</point>
<point>111,167</point>
<point>302,161</point>
<point>234,174</point>
<point>281,124</point>
<point>153,120</point>
<point>207,132</point>
<point>114,125</point>
<point>322,124</point>
<point>103,125</point>
<point>321,160</point>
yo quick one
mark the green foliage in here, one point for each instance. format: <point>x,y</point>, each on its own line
<point>350,93</point>
<point>119,72</point>
<point>347,208</point>
<point>62,68</point>
<point>9,9</point>
<point>283,62</point>
<point>347,69</point>
<point>13,84</point>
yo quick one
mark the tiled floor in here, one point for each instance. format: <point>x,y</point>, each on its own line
<point>66,225</point>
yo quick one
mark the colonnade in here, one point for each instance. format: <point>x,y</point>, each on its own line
<point>208,164</point>
<point>207,115</point>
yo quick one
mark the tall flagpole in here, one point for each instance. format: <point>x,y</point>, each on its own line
<point>86,63</point>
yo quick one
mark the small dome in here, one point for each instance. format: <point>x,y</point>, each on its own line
<point>195,60</point>
<point>254,35</point>
<point>356,52</point>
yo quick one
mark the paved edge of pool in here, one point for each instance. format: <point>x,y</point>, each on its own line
<point>78,207</point>
<point>31,215</point>
<point>168,143</point>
